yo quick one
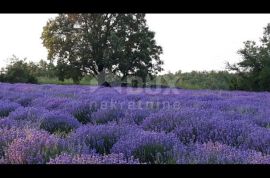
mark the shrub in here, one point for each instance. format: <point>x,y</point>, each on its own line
<point>6,123</point>
<point>81,110</point>
<point>7,135</point>
<point>98,137</point>
<point>31,114</point>
<point>92,159</point>
<point>103,116</point>
<point>216,153</point>
<point>6,107</point>
<point>135,116</point>
<point>50,103</point>
<point>37,147</point>
<point>148,147</point>
<point>57,122</point>
<point>168,120</point>
<point>233,133</point>
<point>259,140</point>
<point>19,71</point>
<point>263,119</point>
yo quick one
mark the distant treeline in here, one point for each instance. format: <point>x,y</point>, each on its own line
<point>21,71</point>
<point>198,80</point>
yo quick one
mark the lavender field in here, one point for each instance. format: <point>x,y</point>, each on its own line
<point>53,124</point>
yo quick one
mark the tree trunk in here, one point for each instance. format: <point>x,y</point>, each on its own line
<point>144,82</point>
<point>124,81</point>
<point>101,78</point>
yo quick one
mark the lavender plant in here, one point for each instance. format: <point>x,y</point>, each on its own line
<point>64,124</point>
<point>58,122</point>
<point>148,147</point>
<point>92,159</point>
<point>37,147</point>
<point>6,107</point>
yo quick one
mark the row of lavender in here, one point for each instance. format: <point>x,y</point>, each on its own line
<point>52,124</point>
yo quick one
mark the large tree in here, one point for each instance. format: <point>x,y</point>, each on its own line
<point>96,44</point>
<point>254,70</point>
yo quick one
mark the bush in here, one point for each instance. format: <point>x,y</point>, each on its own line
<point>6,107</point>
<point>19,71</point>
<point>7,136</point>
<point>19,76</point>
<point>216,153</point>
<point>148,147</point>
<point>2,77</point>
<point>56,122</point>
<point>259,140</point>
<point>98,137</point>
<point>7,123</point>
<point>92,159</point>
<point>103,116</point>
<point>30,114</point>
<point>135,116</point>
<point>38,147</point>
<point>81,110</point>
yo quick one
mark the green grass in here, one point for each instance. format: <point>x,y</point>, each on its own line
<point>93,81</point>
<point>84,81</point>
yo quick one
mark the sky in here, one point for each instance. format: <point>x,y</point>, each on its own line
<point>189,41</point>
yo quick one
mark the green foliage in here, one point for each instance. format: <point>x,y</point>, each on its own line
<point>60,128</point>
<point>154,154</point>
<point>221,80</point>
<point>102,145</point>
<point>87,80</point>
<point>264,78</point>
<point>83,115</point>
<point>2,77</point>
<point>254,69</point>
<point>196,80</point>
<point>19,71</point>
<point>45,69</point>
<point>97,44</point>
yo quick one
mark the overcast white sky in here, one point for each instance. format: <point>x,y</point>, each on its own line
<point>190,41</point>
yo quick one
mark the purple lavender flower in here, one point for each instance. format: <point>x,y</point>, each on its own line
<point>26,100</point>
<point>7,135</point>
<point>6,107</point>
<point>168,120</point>
<point>135,116</point>
<point>263,119</point>
<point>55,122</point>
<point>31,114</point>
<point>216,153</point>
<point>92,159</point>
<point>98,137</point>
<point>50,103</point>
<point>8,123</point>
<point>36,148</point>
<point>194,126</point>
<point>103,116</point>
<point>232,133</point>
<point>81,110</point>
<point>148,147</point>
<point>259,140</point>
<point>196,130</point>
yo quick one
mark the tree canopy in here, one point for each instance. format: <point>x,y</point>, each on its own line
<point>96,44</point>
<point>19,71</point>
<point>254,70</point>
